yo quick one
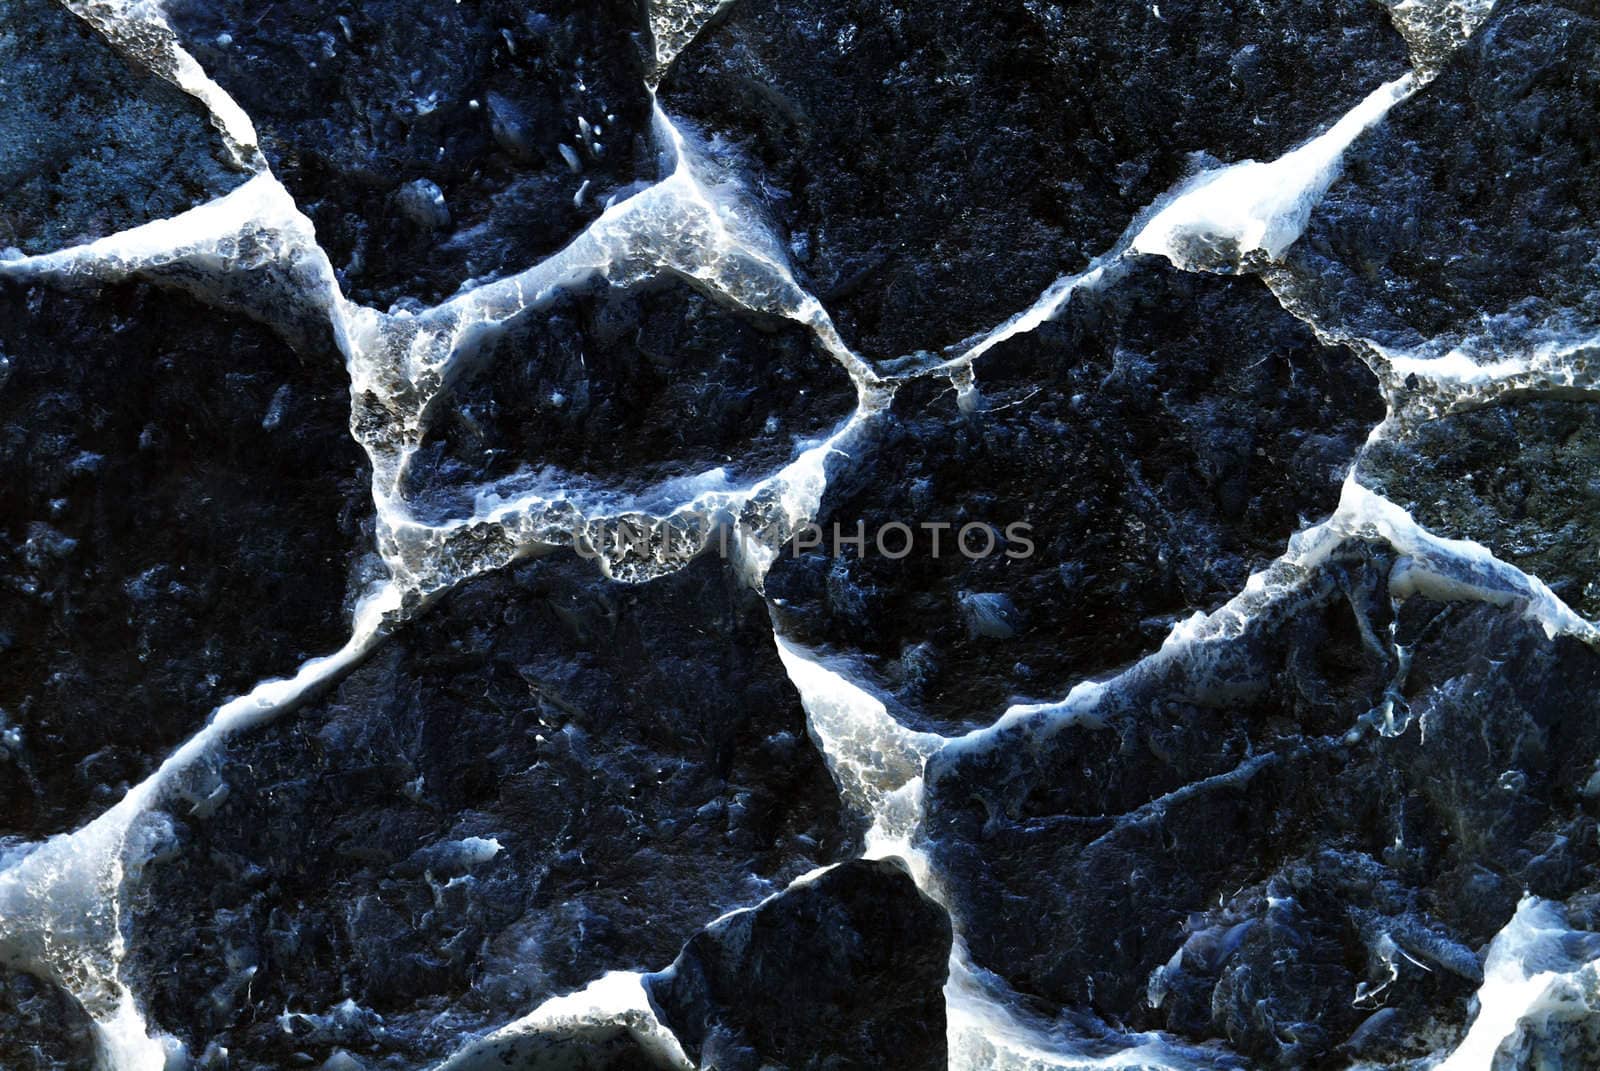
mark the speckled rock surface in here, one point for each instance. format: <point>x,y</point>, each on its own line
<point>544,779</point>
<point>1281,835</point>
<point>844,970</point>
<point>90,143</point>
<point>936,167</point>
<point>1471,211</point>
<point>436,143</point>
<point>182,509</point>
<point>1119,468</point>
<point>629,389</point>
<point>1206,392</point>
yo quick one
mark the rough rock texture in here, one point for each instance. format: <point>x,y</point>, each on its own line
<point>180,509</point>
<point>1522,479</point>
<point>1162,438</point>
<point>844,971</point>
<point>936,166</point>
<point>89,144</point>
<point>436,143</point>
<point>1472,209</point>
<point>1235,842</point>
<point>537,817</point>
<point>41,1027</point>
<point>546,777</point>
<point>625,389</point>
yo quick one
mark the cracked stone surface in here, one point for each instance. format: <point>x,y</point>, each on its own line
<point>1236,357</point>
<point>1161,439</point>
<point>1228,845</point>
<point>1518,478</point>
<point>626,389</point>
<point>936,167</point>
<point>542,780</point>
<point>1471,212</point>
<point>436,143</point>
<point>742,994</point>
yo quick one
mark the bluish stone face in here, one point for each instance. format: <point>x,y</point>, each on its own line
<point>936,167</point>
<point>1160,440</point>
<point>356,103</point>
<point>669,534</point>
<point>629,388</point>
<point>1470,212</point>
<point>543,779</point>
<point>90,142</point>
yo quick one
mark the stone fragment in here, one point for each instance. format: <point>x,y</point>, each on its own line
<point>546,777</point>
<point>936,166</point>
<point>1269,838</point>
<point>181,509</point>
<point>1471,210</point>
<point>89,144</point>
<point>485,100</point>
<point>1523,479</point>
<point>845,971</point>
<point>627,389</point>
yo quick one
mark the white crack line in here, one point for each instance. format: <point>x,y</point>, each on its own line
<point>1206,206</point>
<point>616,1001</point>
<point>674,24</point>
<point>1430,565</point>
<point>1246,211</point>
<point>60,901</point>
<point>1538,972</point>
<point>139,29</point>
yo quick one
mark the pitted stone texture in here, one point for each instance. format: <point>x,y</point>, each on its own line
<point>937,165</point>
<point>1523,479</point>
<point>1471,210</point>
<point>182,507</point>
<point>626,390</point>
<point>367,110</point>
<point>635,752</point>
<point>1213,846</point>
<point>1163,437</point>
<point>844,972</point>
<point>41,1027</point>
<point>89,144</point>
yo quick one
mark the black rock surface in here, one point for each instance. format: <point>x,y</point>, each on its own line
<point>181,506</point>
<point>429,141</point>
<point>842,972</point>
<point>1163,438</point>
<point>625,390</point>
<point>1280,795</point>
<point>635,752</point>
<point>936,166</point>
<point>42,1028</point>
<point>1472,209</point>
<point>90,144</point>
<point>1239,840</point>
